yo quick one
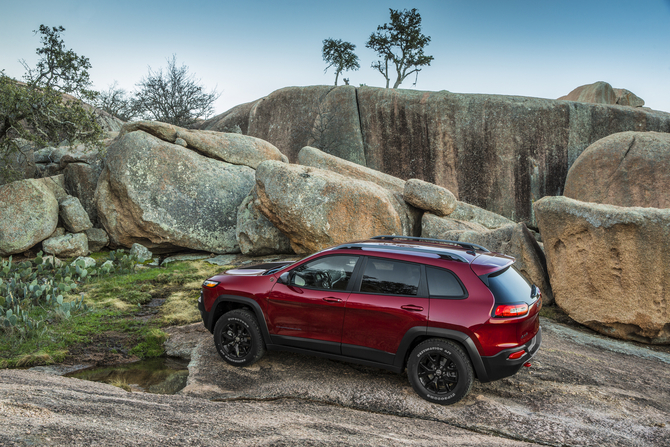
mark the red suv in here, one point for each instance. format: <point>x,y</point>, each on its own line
<point>447,311</point>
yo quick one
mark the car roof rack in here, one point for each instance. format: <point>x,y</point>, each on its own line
<point>466,245</point>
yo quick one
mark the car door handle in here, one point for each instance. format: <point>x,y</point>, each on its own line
<point>412,307</point>
<point>332,299</point>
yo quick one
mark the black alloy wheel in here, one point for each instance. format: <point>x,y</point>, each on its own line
<point>238,338</point>
<point>437,373</point>
<point>440,371</point>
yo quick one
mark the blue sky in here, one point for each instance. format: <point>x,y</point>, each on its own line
<point>247,49</point>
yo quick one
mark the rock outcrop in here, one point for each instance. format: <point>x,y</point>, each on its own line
<point>623,169</point>
<point>256,235</point>
<point>597,93</point>
<point>609,266</point>
<point>164,196</point>
<point>316,208</point>
<point>500,153</point>
<point>28,215</point>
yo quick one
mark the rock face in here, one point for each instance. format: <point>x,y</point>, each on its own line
<point>81,180</point>
<point>429,197</point>
<point>500,153</point>
<point>609,266</point>
<point>163,196</point>
<point>229,147</point>
<point>513,240</point>
<point>623,169</point>
<point>74,215</point>
<point>409,215</point>
<point>67,246</point>
<point>317,208</point>
<point>28,214</point>
<point>256,235</point>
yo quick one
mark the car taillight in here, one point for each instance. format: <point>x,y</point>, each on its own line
<point>511,310</point>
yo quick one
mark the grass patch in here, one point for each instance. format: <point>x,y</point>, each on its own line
<point>115,322</point>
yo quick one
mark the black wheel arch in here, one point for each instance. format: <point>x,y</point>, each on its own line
<point>226,303</point>
<point>417,334</point>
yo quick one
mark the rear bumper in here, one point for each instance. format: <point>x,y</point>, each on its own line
<point>499,366</point>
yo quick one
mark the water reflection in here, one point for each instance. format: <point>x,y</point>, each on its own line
<point>163,375</point>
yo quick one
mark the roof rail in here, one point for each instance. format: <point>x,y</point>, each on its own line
<point>466,245</point>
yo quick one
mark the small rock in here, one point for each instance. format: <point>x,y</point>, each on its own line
<point>67,246</point>
<point>429,197</point>
<point>141,252</point>
<point>97,239</point>
<point>74,215</point>
<point>183,258</point>
<point>222,260</point>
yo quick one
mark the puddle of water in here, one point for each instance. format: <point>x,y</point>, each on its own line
<point>163,375</point>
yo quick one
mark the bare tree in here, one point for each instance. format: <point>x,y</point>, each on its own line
<point>115,101</point>
<point>401,43</point>
<point>173,96</point>
<point>340,55</point>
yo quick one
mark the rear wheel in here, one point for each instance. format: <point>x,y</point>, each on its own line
<point>238,338</point>
<point>440,371</point>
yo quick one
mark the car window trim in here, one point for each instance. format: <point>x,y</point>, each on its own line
<point>447,297</point>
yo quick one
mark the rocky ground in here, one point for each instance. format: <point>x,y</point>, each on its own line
<point>582,389</point>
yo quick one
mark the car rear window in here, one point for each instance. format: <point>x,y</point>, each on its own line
<point>509,286</point>
<point>444,284</point>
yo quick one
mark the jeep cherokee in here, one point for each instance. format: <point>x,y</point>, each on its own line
<point>446,311</point>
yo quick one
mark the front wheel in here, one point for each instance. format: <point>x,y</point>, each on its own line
<point>440,371</point>
<point>238,338</point>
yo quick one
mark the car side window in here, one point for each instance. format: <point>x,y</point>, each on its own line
<point>389,277</point>
<point>444,284</point>
<point>329,272</point>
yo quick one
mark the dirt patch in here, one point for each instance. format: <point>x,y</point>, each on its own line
<point>108,348</point>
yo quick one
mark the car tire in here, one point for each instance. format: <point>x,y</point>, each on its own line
<point>238,338</point>
<point>440,371</point>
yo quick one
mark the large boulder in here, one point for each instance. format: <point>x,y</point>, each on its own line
<point>514,240</point>
<point>623,169</point>
<point>256,235</point>
<point>28,215</point>
<point>164,196</point>
<point>429,197</point>
<point>609,266</point>
<point>500,153</point>
<point>316,208</point>
<point>229,147</point>
<point>597,93</point>
<point>410,216</point>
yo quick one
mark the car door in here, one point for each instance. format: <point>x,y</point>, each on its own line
<point>391,300</point>
<point>308,311</point>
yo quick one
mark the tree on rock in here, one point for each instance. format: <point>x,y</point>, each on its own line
<point>401,43</point>
<point>46,108</point>
<point>340,55</point>
<point>173,96</point>
<point>115,101</point>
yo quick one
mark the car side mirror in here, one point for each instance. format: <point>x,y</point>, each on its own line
<point>284,278</point>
